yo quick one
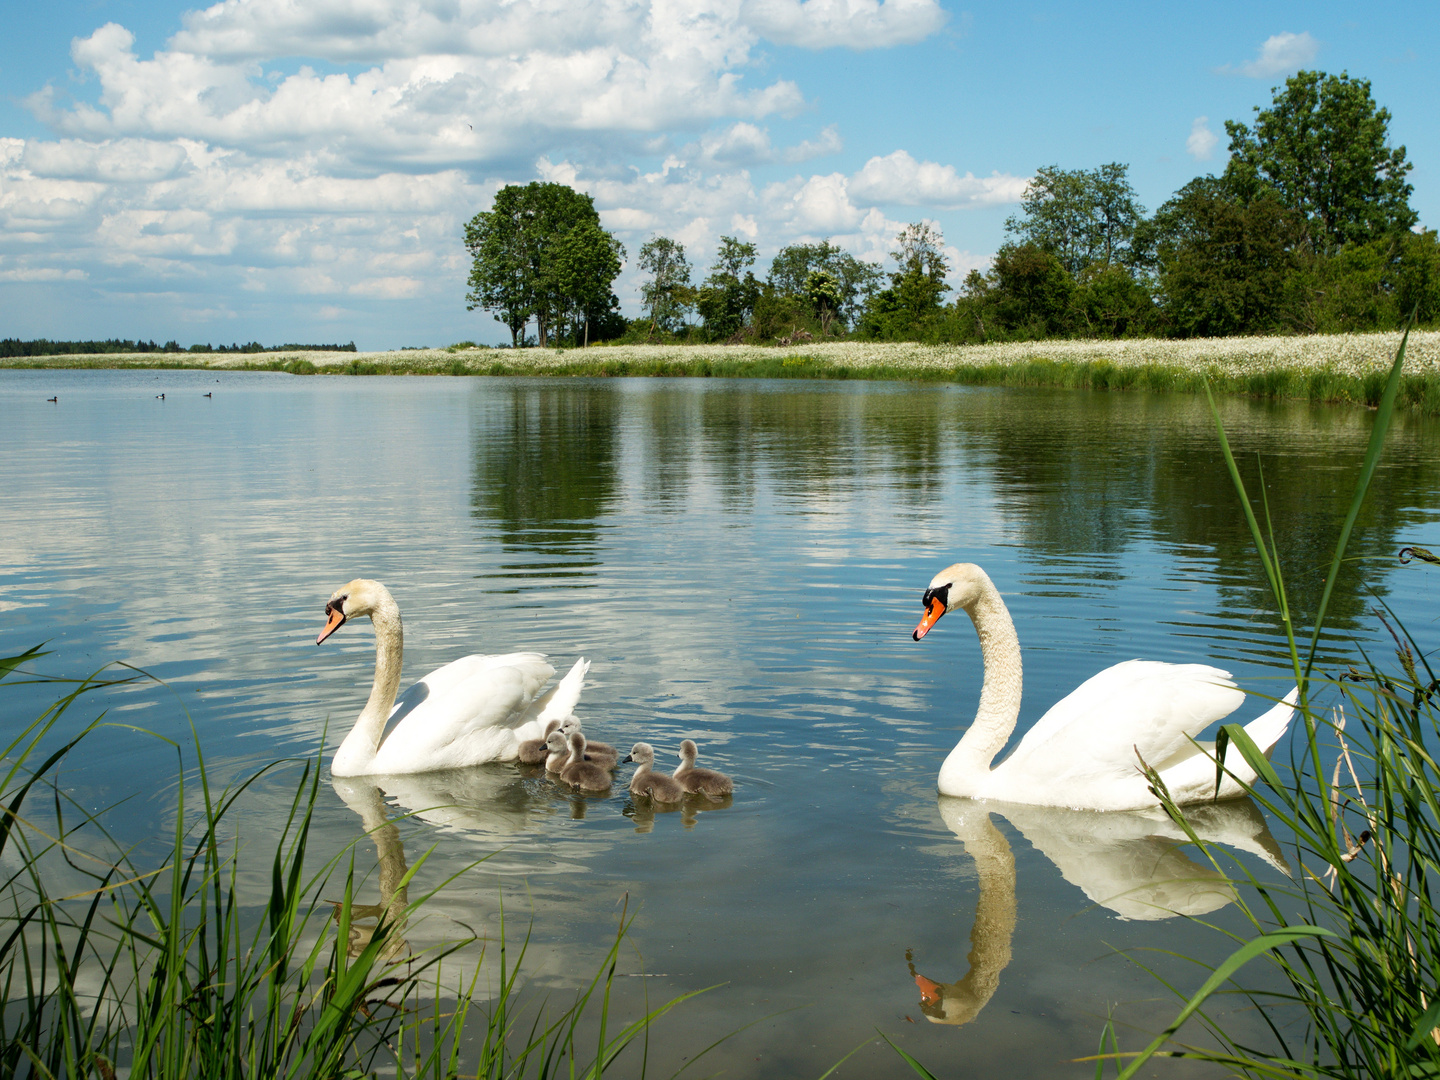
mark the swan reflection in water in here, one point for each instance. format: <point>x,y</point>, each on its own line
<point>492,804</point>
<point>369,802</point>
<point>1132,863</point>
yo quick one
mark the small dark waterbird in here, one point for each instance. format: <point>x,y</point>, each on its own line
<point>159,397</point>
<point>55,399</point>
<point>209,395</point>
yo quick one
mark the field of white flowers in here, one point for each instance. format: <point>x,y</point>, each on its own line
<point>1342,354</point>
<point>1349,354</point>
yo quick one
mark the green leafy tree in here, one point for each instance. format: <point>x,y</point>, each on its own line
<point>1321,149</point>
<point>582,269</point>
<point>823,292</point>
<point>727,297</point>
<point>1082,217</point>
<point>857,280</point>
<point>666,292</point>
<point>513,247</point>
<point>916,285</point>
<point>1224,260</point>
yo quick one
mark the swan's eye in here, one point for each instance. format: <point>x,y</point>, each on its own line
<point>942,594</point>
<point>337,605</point>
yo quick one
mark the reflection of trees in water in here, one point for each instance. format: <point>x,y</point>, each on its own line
<point>1090,472</point>
<point>818,441</point>
<point>1075,474</point>
<point>545,467</point>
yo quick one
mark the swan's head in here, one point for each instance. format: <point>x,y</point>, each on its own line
<point>688,750</point>
<point>555,742</point>
<point>642,753</point>
<point>958,586</point>
<point>360,597</point>
<point>577,744</point>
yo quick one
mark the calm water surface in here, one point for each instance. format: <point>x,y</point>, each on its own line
<point>743,563</point>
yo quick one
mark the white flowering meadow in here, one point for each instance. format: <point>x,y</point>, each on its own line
<point>1350,354</point>
<point>1346,354</point>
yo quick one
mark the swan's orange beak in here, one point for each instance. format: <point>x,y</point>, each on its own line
<point>336,620</point>
<point>930,992</point>
<point>937,608</point>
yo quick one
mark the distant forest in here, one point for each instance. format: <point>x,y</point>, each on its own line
<point>1308,229</point>
<point>42,347</point>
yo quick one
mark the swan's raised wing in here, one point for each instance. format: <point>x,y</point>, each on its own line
<point>1143,706</point>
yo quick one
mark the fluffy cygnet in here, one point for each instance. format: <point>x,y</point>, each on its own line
<point>581,773</point>
<point>700,781</point>
<point>598,752</point>
<point>661,788</point>
<point>559,749</point>
<point>534,751</point>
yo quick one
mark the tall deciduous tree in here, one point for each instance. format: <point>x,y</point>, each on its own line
<point>1082,217</point>
<point>1224,260</point>
<point>857,280</point>
<point>519,253</point>
<point>727,297</point>
<point>583,267</point>
<point>1321,148</point>
<point>664,294</point>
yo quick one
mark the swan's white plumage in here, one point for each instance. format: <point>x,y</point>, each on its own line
<point>471,710</point>
<point>1086,751</point>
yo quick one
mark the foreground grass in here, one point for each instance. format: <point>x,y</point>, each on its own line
<point>1326,368</point>
<point>166,972</point>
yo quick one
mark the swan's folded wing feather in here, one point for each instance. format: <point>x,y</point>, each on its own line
<point>475,695</point>
<point>1141,706</point>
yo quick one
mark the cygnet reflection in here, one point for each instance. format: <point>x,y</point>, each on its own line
<point>1134,862</point>
<point>959,1002</point>
<point>643,811</point>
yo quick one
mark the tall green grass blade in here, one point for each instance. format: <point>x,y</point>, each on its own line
<point>1383,416</point>
<point>1219,977</point>
<point>920,1070</point>
<point>10,663</point>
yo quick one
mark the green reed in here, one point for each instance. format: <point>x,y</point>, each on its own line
<point>163,971</point>
<point>1353,938</point>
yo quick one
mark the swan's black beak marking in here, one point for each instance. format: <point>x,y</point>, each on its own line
<point>627,759</point>
<point>335,612</point>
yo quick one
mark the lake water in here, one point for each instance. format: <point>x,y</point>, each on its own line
<point>743,563</point>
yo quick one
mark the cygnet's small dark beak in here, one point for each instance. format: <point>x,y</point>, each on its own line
<point>627,759</point>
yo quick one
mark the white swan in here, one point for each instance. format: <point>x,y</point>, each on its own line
<point>1086,751</point>
<point>472,710</point>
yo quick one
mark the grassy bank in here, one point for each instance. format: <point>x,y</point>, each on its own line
<point>1327,368</point>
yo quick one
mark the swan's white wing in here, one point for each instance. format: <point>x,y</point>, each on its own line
<point>1092,735</point>
<point>463,713</point>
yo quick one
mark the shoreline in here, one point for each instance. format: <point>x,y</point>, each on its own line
<point>1339,368</point>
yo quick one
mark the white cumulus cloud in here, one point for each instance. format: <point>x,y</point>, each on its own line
<point>1281,54</point>
<point>1202,141</point>
<point>899,178</point>
<point>855,24</point>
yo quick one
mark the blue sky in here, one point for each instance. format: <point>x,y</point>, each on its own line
<point>265,169</point>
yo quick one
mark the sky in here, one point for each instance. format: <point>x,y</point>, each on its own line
<point>302,170</point>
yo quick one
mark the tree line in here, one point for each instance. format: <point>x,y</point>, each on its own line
<point>10,347</point>
<point>1307,229</point>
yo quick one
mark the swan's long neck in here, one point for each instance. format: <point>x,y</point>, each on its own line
<point>363,741</point>
<point>999,697</point>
